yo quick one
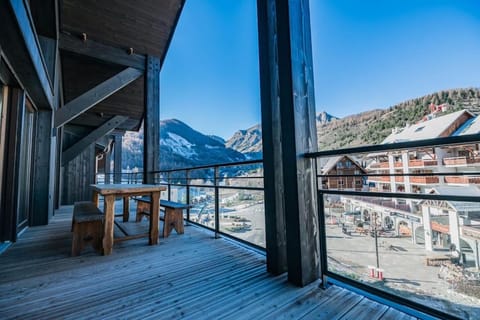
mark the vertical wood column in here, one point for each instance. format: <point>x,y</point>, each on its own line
<point>117,158</point>
<point>41,170</point>
<point>107,166</point>
<point>9,206</point>
<point>151,125</point>
<point>288,123</point>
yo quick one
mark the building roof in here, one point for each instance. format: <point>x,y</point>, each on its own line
<point>471,126</point>
<point>460,206</point>
<point>332,162</point>
<point>426,130</point>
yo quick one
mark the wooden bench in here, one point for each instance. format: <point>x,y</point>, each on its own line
<point>173,218</point>
<point>87,226</point>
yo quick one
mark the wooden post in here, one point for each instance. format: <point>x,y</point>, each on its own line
<point>151,125</point>
<point>8,212</point>
<point>41,169</point>
<point>106,165</point>
<point>288,124</point>
<point>117,158</point>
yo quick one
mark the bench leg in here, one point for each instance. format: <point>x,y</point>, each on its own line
<point>142,208</point>
<point>173,220</point>
<point>77,239</point>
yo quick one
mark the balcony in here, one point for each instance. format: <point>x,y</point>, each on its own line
<point>187,276</point>
<point>460,161</point>
<point>424,180</point>
<point>415,163</point>
<point>464,180</point>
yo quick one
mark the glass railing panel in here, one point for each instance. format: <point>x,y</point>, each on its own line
<point>248,175</point>
<point>202,176</point>
<point>428,255</point>
<point>203,206</point>
<point>242,214</point>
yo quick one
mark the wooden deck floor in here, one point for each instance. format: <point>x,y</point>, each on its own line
<point>187,276</point>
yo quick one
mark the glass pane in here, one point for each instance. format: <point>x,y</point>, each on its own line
<point>428,254</point>
<point>203,206</point>
<point>242,215</point>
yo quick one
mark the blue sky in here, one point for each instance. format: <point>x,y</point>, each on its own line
<point>367,55</point>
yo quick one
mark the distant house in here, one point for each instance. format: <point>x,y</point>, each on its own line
<point>334,169</point>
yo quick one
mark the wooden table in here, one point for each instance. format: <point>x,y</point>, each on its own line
<point>111,191</point>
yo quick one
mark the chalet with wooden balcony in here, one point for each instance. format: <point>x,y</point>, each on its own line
<point>343,173</point>
<point>408,165</point>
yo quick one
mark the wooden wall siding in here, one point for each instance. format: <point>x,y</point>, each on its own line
<point>144,25</point>
<point>78,174</point>
<point>81,75</point>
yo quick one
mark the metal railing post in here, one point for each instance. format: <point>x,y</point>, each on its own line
<point>187,180</point>
<point>169,187</point>
<point>217,204</point>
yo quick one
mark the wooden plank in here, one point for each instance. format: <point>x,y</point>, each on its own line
<point>366,308</point>
<point>93,96</point>
<point>288,84</point>
<point>335,308</point>
<point>100,51</point>
<point>151,127</point>
<point>96,134</point>
<point>394,314</point>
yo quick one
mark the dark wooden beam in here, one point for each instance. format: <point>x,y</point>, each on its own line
<point>93,136</point>
<point>288,108</point>
<point>107,158</point>
<point>101,52</point>
<point>93,96</point>
<point>151,125</point>
<point>44,14</point>
<point>117,159</point>
<point>41,196</point>
<point>10,196</point>
<point>276,238</point>
<point>21,48</point>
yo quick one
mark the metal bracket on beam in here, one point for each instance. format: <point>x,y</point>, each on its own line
<point>100,51</point>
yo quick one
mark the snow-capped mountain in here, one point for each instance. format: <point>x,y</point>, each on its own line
<point>248,142</point>
<point>180,147</point>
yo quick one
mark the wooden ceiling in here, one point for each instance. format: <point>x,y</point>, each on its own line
<point>147,26</point>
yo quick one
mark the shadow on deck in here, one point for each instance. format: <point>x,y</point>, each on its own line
<point>186,276</point>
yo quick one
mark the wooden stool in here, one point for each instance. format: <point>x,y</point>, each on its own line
<point>173,218</point>
<point>87,227</point>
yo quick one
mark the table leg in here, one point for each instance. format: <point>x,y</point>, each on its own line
<point>95,198</point>
<point>155,197</point>
<point>126,209</point>
<point>109,221</point>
